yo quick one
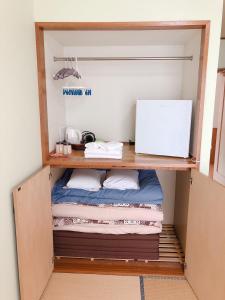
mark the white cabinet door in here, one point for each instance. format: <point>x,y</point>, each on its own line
<point>33,219</point>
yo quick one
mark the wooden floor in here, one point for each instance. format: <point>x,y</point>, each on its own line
<point>170,261</point>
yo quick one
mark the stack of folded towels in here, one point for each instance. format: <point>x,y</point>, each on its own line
<point>104,150</point>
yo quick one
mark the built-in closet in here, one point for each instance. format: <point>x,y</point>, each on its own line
<point>120,63</point>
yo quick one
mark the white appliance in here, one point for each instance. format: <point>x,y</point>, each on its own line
<point>163,127</point>
<point>73,136</point>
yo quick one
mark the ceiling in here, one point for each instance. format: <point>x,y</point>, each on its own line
<point>123,38</point>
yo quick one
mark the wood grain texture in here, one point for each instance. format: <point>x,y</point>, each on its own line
<point>201,92</point>
<point>85,266</point>
<point>130,160</point>
<point>42,92</point>
<point>104,246</point>
<point>155,25</point>
<point>213,146</point>
<point>206,238</point>
<point>32,204</point>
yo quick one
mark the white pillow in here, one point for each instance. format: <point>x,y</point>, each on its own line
<point>122,180</point>
<point>86,179</point>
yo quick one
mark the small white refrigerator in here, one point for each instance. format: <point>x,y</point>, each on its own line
<point>163,127</point>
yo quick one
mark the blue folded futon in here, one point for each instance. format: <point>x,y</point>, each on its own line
<point>150,192</point>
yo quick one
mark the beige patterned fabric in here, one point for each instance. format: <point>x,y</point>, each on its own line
<point>63,221</point>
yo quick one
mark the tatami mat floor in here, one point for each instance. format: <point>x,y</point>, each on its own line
<point>167,288</point>
<point>67,286</point>
<point>64,286</point>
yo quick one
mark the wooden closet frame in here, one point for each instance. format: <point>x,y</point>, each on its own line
<point>203,25</point>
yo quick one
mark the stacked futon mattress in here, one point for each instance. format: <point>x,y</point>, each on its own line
<point>108,223</point>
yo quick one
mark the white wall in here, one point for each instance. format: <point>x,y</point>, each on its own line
<point>190,78</point>
<point>149,10</point>
<point>20,153</point>
<point>55,100</point>
<point>117,85</point>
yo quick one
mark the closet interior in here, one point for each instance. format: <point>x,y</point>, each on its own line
<point>119,64</point>
<point>119,68</point>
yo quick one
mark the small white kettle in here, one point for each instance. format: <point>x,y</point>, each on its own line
<point>73,136</point>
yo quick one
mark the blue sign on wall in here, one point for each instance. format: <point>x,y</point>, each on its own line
<point>76,91</point>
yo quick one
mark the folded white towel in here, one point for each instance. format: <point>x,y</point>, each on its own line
<point>112,150</point>
<point>101,151</point>
<point>106,146</point>
<point>103,155</point>
<point>122,180</point>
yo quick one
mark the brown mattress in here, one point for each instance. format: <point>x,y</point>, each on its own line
<point>96,245</point>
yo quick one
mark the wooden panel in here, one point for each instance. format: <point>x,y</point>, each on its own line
<point>32,204</point>
<point>85,266</point>
<point>181,205</point>
<point>206,238</point>
<point>213,146</point>
<point>219,165</point>
<point>106,246</point>
<point>160,25</point>
<point>42,93</point>
<point>130,160</point>
<point>201,92</point>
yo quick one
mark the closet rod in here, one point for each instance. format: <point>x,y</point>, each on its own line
<point>123,58</point>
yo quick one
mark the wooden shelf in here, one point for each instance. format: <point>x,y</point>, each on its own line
<point>130,160</point>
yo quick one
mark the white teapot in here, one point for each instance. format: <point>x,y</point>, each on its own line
<point>73,136</point>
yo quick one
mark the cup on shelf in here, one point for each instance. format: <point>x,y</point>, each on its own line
<point>59,147</point>
<point>67,149</point>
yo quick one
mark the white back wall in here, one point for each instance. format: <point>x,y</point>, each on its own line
<point>149,10</point>
<point>110,111</point>
<point>190,78</point>
<point>55,101</point>
<point>19,126</point>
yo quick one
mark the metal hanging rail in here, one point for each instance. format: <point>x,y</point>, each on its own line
<point>120,58</point>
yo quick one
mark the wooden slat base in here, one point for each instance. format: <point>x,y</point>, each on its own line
<point>170,261</point>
